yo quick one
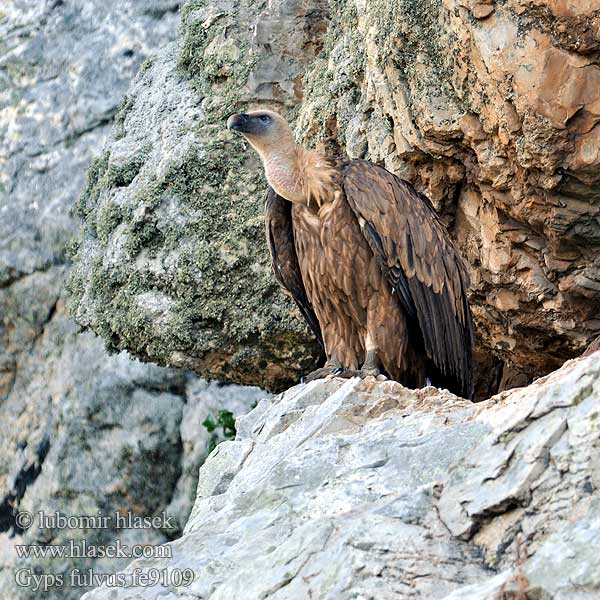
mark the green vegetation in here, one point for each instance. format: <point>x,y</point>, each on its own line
<point>124,109</point>
<point>223,421</point>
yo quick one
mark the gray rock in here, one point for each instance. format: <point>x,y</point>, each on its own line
<point>81,431</point>
<point>364,489</point>
<point>65,67</point>
<point>107,435</point>
<point>172,264</point>
<point>204,400</point>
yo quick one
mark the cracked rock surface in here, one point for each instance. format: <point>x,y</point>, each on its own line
<point>363,489</point>
<point>81,431</point>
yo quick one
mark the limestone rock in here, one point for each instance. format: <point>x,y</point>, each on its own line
<point>364,489</point>
<point>481,11</point>
<point>80,431</point>
<point>105,435</point>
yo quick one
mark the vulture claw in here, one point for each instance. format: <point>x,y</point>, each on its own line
<point>331,369</point>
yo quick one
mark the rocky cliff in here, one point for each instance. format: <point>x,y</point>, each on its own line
<point>489,108</point>
<point>363,489</point>
<point>80,431</point>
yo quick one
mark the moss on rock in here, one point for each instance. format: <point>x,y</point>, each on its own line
<point>172,265</point>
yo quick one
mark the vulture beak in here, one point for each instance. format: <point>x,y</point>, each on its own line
<point>238,122</point>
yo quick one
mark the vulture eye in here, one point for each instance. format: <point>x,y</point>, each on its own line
<point>265,118</point>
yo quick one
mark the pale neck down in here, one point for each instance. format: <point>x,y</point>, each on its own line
<point>284,175</point>
<point>300,176</point>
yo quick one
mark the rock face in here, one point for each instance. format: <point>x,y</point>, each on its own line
<point>173,264</point>
<point>80,431</point>
<point>491,109</point>
<point>108,435</point>
<point>65,68</point>
<point>368,490</point>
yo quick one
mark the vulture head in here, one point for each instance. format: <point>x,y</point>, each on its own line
<point>296,174</point>
<point>266,131</point>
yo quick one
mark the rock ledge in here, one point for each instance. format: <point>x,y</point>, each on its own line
<point>365,489</point>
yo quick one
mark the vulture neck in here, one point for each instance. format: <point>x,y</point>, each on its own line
<point>301,176</point>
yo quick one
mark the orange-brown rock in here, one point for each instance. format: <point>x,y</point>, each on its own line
<point>492,110</point>
<point>593,347</point>
<point>481,11</point>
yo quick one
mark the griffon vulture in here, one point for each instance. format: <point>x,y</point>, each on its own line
<point>366,259</point>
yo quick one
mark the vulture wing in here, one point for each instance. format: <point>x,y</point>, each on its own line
<point>421,263</point>
<point>280,238</point>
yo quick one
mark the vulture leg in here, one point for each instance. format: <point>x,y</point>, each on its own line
<point>371,367</point>
<point>372,364</point>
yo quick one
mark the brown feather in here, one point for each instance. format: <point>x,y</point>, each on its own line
<point>422,264</point>
<point>280,238</point>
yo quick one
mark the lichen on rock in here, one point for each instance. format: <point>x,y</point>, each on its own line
<point>172,263</point>
<point>81,432</point>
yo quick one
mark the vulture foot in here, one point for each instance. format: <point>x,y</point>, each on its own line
<point>370,367</point>
<point>331,368</point>
<point>362,373</point>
